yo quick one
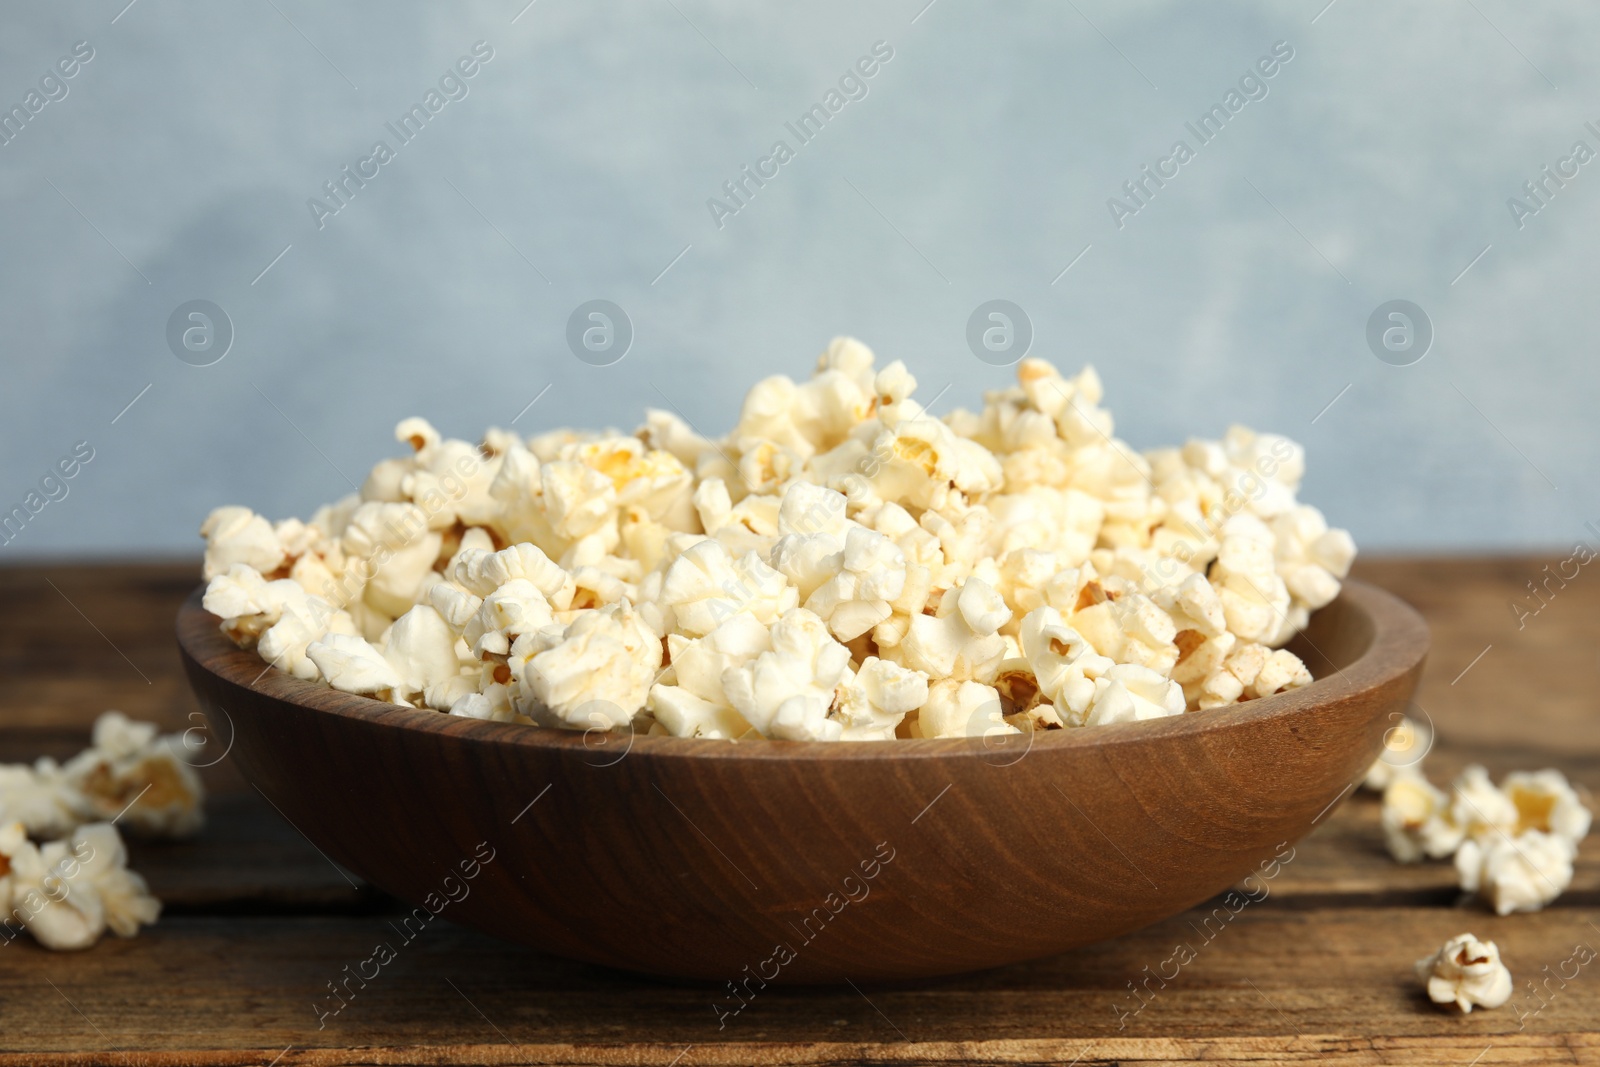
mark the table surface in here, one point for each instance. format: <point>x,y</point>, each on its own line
<point>257,922</point>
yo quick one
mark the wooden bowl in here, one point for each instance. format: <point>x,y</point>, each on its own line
<point>812,862</point>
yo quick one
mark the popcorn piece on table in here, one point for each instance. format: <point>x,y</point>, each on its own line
<point>1522,873</point>
<point>1546,801</point>
<point>40,797</point>
<point>1466,972</point>
<point>1403,749</point>
<point>68,892</point>
<point>1479,806</point>
<point>132,773</point>
<point>1418,820</point>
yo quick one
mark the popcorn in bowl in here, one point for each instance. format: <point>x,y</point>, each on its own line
<point>841,566</point>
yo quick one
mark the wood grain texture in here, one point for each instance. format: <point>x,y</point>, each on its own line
<point>1274,985</point>
<point>813,862</point>
<point>226,978</point>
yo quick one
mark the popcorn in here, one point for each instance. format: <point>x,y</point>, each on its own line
<point>132,774</point>
<point>962,640</point>
<point>236,535</point>
<point>600,672</point>
<point>962,709</point>
<point>1466,972</point>
<point>1128,692</point>
<point>1065,666</point>
<point>787,692</point>
<point>841,565</point>
<point>1523,873</point>
<point>704,586</point>
<point>694,703</point>
<point>874,700</point>
<point>39,797</point>
<point>422,651</point>
<point>1546,802</point>
<point>350,664</point>
<point>1403,748</point>
<point>1479,807</point>
<point>1418,820</point>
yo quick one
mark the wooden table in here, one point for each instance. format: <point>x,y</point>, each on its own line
<point>257,922</point>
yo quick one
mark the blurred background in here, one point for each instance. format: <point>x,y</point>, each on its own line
<point>978,162</point>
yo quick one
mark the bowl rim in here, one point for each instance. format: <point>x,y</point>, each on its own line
<point>1398,644</point>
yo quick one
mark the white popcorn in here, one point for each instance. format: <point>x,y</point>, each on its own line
<point>873,700</point>
<point>397,550</point>
<point>704,586</point>
<point>1311,558</point>
<point>1466,972</point>
<point>1064,664</point>
<point>1478,806</point>
<point>422,650</point>
<point>599,675</point>
<point>1255,600</point>
<point>513,609</point>
<point>516,580</point>
<point>962,641</point>
<point>351,664</point>
<point>39,797</point>
<point>236,535</point>
<point>786,692</point>
<point>1130,629</point>
<point>1418,820</point>
<point>962,709</point>
<point>1546,802</point>
<point>1403,748</point>
<point>1522,873</point>
<point>133,774</point>
<point>485,706</point>
<point>1128,692</point>
<point>694,703</point>
<point>68,892</point>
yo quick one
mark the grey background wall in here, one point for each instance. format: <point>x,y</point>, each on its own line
<point>978,165</point>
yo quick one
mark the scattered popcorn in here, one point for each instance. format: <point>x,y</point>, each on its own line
<point>1403,749</point>
<point>1466,972</point>
<point>1478,806</point>
<point>40,798</point>
<point>1546,802</point>
<point>1418,821</point>
<point>74,886</point>
<point>67,893</point>
<point>132,774</point>
<point>129,772</point>
<point>842,565</point>
<point>1514,845</point>
<point>1522,873</point>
